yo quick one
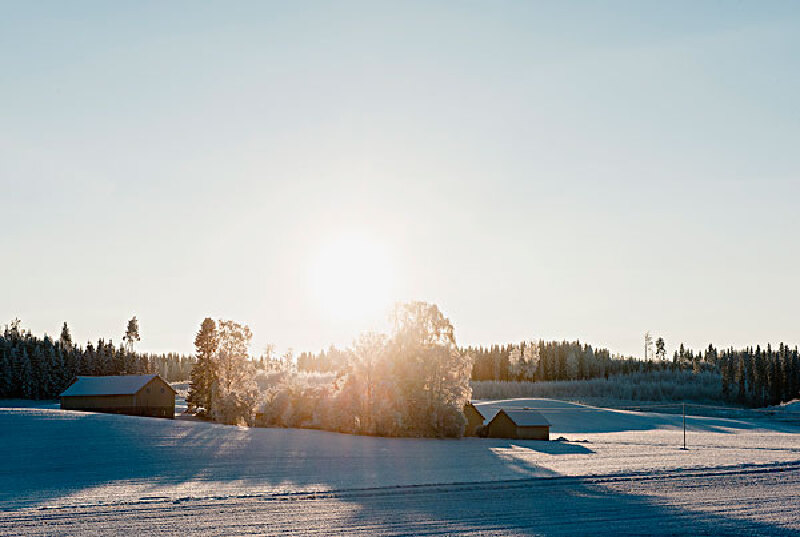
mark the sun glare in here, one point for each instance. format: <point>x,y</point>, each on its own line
<point>351,278</point>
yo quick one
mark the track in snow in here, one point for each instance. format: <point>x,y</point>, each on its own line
<point>738,501</point>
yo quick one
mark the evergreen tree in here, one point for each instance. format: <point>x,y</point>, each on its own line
<point>131,334</point>
<point>66,338</point>
<point>203,374</point>
<point>661,349</point>
<point>786,374</point>
<point>726,378</point>
<point>740,378</point>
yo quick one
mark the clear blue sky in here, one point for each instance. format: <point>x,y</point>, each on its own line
<point>557,170</point>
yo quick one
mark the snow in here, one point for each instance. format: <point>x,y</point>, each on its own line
<point>526,418</point>
<point>73,473</point>
<point>789,408</point>
<point>487,411</point>
<point>573,418</point>
<point>114,385</point>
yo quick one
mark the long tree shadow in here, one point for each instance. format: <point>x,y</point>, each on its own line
<point>53,455</point>
<point>547,506</point>
<point>484,486</point>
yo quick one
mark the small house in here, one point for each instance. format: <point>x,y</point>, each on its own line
<point>135,395</point>
<point>519,423</point>
<point>478,416</point>
<point>474,419</point>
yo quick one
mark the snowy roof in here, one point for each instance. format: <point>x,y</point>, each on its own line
<point>116,385</point>
<point>524,417</point>
<point>487,411</point>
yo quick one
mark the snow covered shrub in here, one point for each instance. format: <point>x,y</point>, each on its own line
<point>234,406</point>
<point>294,403</point>
<point>448,422</point>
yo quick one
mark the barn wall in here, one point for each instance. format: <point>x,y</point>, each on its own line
<point>502,427</point>
<point>534,433</point>
<point>156,398</point>
<point>98,402</point>
<point>474,420</point>
<point>155,393</point>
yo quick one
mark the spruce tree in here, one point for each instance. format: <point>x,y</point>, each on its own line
<point>202,377</point>
<point>27,381</point>
<point>731,373</point>
<point>66,338</point>
<point>131,333</point>
<point>740,378</point>
<point>726,391</point>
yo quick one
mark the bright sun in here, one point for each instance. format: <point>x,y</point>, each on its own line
<point>351,278</point>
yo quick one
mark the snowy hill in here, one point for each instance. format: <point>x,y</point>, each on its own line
<point>80,471</point>
<point>566,418</point>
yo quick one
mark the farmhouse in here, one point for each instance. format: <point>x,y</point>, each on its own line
<point>522,423</point>
<point>136,395</point>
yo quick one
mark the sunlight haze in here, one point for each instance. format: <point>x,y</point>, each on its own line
<point>548,170</point>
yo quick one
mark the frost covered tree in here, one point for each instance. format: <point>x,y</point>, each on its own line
<point>515,362</point>
<point>572,363</point>
<point>286,361</point>
<point>530,358</point>
<point>648,346</point>
<point>267,361</point>
<point>413,382</point>
<point>433,375</point>
<point>371,392</point>
<point>523,360</point>
<point>233,391</point>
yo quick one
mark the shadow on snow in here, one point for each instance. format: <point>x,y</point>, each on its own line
<point>486,485</point>
<point>570,418</point>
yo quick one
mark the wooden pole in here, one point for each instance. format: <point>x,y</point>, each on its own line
<point>684,425</point>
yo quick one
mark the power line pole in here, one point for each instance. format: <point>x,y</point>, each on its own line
<point>684,425</point>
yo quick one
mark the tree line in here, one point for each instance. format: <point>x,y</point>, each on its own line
<point>759,377</point>
<point>329,361</point>
<point>223,387</point>
<point>41,368</point>
<point>544,360</point>
<point>752,376</point>
<point>525,361</point>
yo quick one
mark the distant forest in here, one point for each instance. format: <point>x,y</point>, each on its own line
<point>40,368</point>
<point>553,360</point>
<point>753,377</point>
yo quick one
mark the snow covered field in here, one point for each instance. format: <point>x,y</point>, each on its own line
<point>622,473</point>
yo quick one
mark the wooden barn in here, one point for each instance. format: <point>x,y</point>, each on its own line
<point>474,418</point>
<point>518,423</point>
<point>136,395</point>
